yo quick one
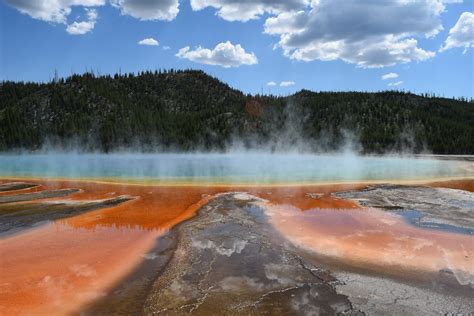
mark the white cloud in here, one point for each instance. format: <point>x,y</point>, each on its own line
<point>58,11</point>
<point>451,1</point>
<point>394,84</point>
<point>148,9</point>
<point>80,28</point>
<point>224,54</point>
<point>83,27</point>
<point>149,42</point>
<point>244,10</point>
<point>55,11</point>
<point>371,34</point>
<point>166,48</point>
<point>287,83</point>
<point>462,34</point>
<point>281,84</point>
<point>390,75</point>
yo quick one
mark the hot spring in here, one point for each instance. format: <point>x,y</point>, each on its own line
<point>230,168</point>
<point>81,232</point>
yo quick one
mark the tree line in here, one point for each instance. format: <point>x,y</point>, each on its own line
<point>184,110</point>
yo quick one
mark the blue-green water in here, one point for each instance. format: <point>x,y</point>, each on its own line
<point>228,168</point>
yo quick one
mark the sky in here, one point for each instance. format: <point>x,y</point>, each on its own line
<point>269,46</point>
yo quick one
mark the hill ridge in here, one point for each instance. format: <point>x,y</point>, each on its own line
<point>188,110</point>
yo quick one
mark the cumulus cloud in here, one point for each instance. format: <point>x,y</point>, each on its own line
<point>58,11</point>
<point>149,42</point>
<point>148,9</point>
<point>55,11</point>
<point>390,75</point>
<point>462,34</point>
<point>370,33</point>
<point>394,84</point>
<point>271,83</point>
<point>287,83</point>
<point>80,28</point>
<point>224,54</point>
<point>244,10</point>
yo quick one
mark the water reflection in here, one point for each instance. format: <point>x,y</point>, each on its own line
<point>60,266</point>
<point>370,237</point>
<point>56,268</point>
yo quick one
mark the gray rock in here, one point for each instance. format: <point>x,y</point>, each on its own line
<point>437,207</point>
<point>228,261</point>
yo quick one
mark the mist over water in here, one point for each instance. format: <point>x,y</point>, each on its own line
<point>233,167</point>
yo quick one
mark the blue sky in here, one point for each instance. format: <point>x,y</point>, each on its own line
<point>423,46</point>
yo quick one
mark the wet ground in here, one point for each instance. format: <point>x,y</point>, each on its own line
<point>437,208</point>
<point>16,217</point>
<point>228,260</point>
<point>72,247</point>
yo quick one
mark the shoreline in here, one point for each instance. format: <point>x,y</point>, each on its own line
<point>155,183</point>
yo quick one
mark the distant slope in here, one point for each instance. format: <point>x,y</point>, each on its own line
<point>189,110</point>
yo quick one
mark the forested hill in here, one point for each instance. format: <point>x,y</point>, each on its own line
<point>189,110</point>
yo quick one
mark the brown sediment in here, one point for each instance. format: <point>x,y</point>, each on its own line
<point>464,184</point>
<point>302,196</point>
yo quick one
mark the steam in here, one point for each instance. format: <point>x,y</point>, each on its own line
<point>291,132</point>
<point>245,167</point>
<point>293,136</point>
<point>288,151</point>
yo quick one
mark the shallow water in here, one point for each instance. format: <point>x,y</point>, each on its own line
<point>413,217</point>
<point>229,168</point>
<point>371,237</point>
<point>59,266</point>
<point>63,265</point>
